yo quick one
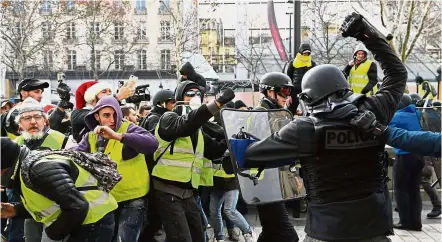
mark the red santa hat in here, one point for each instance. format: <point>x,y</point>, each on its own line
<point>79,93</point>
<point>92,92</point>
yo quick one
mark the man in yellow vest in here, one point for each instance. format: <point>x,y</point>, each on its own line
<point>179,160</point>
<point>35,134</point>
<point>126,144</point>
<point>27,88</point>
<point>362,73</point>
<point>59,193</point>
<point>426,90</point>
<point>296,70</point>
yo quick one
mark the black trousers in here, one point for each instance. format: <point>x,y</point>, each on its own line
<point>407,171</point>
<point>427,173</point>
<point>275,224</point>
<point>181,218</point>
<point>154,222</point>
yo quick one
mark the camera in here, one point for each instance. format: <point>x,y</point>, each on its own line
<point>142,93</point>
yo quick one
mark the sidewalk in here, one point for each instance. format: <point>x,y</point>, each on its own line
<point>431,230</point>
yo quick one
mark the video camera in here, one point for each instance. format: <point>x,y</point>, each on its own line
<point>142,93</point>
<point>63,91</point>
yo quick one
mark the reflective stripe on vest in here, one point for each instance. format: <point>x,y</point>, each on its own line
<point>358,78</point>
<point>54,140</point>
<point>220,172</point>
<point>47,211</point>
<point>207,173</point>
<point>135,182</point>
<point>422,91</point>
<point>183,165</point>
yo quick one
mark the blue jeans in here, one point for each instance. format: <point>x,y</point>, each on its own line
<point>101,231</point>
<point>129,218</point>
<point>230,199</point>
<point>203,215</point>
<point>16,225</point>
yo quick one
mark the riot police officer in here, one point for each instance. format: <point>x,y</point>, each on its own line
<point>274,218</point>
<point>344,169</point>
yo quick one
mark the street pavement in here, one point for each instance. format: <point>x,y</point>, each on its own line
<point>431,229</point>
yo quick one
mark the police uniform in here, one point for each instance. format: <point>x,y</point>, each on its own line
<point>344,170</point>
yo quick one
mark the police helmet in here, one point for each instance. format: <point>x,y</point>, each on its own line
<point>320,82</point>
<point>436,103</point>
<point>274,81</point>
<point>405,101</point>
<point>415,98</point>
<point>162,96</point>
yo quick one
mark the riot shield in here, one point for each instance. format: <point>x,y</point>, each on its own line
<point>430,120</point>
<point>270,185</point>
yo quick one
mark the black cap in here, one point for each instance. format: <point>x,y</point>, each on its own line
<point>30,84</point>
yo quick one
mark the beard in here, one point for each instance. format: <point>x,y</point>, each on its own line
<point>30,136</point>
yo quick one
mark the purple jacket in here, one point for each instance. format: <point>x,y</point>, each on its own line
<point>136,139</point>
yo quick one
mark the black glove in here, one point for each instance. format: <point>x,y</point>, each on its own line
<point>356,26</point>
<point>66,104</point>
<point>227,96</point>
<point>420,103</point>
<point>366,120</point>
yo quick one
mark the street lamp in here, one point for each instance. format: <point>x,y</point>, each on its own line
<point>290,13</point>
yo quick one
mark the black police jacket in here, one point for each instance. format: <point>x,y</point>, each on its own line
<point>330,216</point>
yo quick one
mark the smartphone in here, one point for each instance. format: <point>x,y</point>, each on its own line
<point>132,82</point>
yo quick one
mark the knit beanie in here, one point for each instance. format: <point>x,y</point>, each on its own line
<point>29,105</point>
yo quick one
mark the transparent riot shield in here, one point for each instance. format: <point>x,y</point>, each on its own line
<point>273,184</point>
<point>430,120</point>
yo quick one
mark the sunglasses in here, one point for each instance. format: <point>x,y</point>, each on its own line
<point>284,91</point>
<point>192,93</point>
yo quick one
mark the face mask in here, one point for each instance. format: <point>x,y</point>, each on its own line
<point>195,102</point>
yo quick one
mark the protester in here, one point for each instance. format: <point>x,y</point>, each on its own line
<point>6,105</point>
<point>129,114</point>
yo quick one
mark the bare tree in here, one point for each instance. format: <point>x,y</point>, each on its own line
<point>110,33</point>
<point>28,28</point>
<point>328,46</point>
<point>408,21</point>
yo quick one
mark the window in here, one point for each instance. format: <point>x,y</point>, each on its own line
<point>47,59</point>
<point>46,30</point>
<point>119,31</point>
<point>142,31</point>
<point>18,29</point>
<point>94,29</point>
<point>140,5</point>
<point>164,6</point>
<point>119,60</point>
<point>165,60</point>
<point>96,57</point>
<point>45,6</point>
<point>70,31</point>
<point>72,59</point>
<point>165,30</point>
<point>19,6</point>
<point>141,59</point>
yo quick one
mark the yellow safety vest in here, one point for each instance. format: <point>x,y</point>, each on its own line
<point>46,211</point>
<point>54,140</point>
<point>358,78</point>
<point>11,135</point>
<point>207,173</point>
<point>220,172</point>
<point>422,91</point>
<point>135,182</point>
<point>183,165</point>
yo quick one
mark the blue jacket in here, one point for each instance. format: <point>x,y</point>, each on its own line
<point>419,142</point>
<point>406,118</point>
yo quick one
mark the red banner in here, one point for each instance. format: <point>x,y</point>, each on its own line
<point>275,31</point>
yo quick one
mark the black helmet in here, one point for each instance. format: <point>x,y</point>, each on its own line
<point>415,98</point>
<point>162,96</point>
<point>322,81</point>
<point>183,87</point>
<point>273,81</point>
<point>437,103</point>
<point>405,101</point>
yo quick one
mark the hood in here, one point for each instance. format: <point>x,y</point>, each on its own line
<point>183,86</point>
<point>108,101</point>
<point>360,47</point>
<point>187,69</point>
<point>304,46</point>
<point>408,109</point>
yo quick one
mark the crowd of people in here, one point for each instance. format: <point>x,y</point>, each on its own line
<point>113,172</point>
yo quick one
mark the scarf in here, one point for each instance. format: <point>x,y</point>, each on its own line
<point>98,164</point>
<point>302,61</point>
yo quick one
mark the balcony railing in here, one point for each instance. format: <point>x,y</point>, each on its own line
<point>140,11</point>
